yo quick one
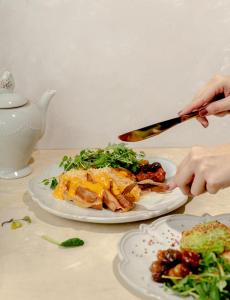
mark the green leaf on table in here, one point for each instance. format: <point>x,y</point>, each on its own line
<point>27,219</point>
<point>73,242</point>
<point>16,224</point>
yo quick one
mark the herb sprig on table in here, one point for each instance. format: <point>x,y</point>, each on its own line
<point>114,155</point>
<point>73,242</point>
<point>211,282</point>
<point>17,223</point>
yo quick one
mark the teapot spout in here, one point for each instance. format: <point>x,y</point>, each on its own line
<point>44,101</point>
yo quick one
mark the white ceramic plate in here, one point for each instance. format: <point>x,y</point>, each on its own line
<point>137,250</point>
<point>150,205</point>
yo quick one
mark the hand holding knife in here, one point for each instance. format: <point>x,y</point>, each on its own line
<point>155,129</point>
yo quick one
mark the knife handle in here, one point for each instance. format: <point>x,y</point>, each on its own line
<point>196,112</point>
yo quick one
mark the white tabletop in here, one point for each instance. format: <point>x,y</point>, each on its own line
<point>31,268</point>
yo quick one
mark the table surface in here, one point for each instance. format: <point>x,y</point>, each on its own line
<point>32,268</point>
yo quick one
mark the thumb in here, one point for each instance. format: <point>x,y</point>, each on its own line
<point>218,106</point>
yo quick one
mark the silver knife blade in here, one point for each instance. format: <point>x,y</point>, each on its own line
<point>155,129</point>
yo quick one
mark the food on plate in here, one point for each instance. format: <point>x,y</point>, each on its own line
<point>98,188</point>
<point>201,267</point>
<point>115,156</point>
<point>112,178</point>
<point>152,171</point>
<point>214,237</point>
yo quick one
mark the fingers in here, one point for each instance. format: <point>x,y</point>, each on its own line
<point>218,107</point>
<point>184,176</point>
<point>198,185</point>
<point>184,180</point>
<point>184,188</point>
<point>174,182</point>
<point>193,106</point>
<point>203,169</point>
<point>218,84</point>
<point>203,121</point>
<point>192,184</point>
<point>202,98</point>
<point>222,114</point>
<point>212,188</point>
<point>190,173</point>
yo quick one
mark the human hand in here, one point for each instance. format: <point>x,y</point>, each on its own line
<point>217,85</point>
<point>203,169</point>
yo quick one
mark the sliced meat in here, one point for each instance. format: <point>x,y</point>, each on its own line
<point>125,203</point>
<point>110,201</point>
<point>86,198</point>
<point>66,186</point>
<point>95,187</point>
<point>129,188</point>
<point>89,177</point>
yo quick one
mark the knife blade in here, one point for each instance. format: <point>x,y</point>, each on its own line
<point>157,128</point>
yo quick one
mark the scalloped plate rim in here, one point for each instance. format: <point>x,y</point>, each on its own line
<point>123,259</point>
<point>137,216</point>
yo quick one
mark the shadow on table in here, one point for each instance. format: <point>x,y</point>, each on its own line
<point>92,227</point>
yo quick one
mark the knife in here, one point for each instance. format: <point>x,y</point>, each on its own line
<point>155,129</point>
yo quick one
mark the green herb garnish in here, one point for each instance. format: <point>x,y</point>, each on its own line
<point>114,155</point>
<point>16,223</point>
<point>211,282</point>
<point>73,242</point>
<point>52,182</point>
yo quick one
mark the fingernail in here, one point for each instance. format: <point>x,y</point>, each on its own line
<point>204,125</point>
<point>179,113</point>
<point>203,112</point>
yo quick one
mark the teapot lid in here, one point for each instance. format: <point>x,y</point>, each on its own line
<point>9,99</point>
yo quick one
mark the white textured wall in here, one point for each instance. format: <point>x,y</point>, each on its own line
<point>116,64</point>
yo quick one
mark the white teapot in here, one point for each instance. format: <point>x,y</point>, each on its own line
<point>22,124</point>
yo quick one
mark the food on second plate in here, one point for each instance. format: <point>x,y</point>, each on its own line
<point>111,178</point>
<point>214,237</point>
<point>201,267</point>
